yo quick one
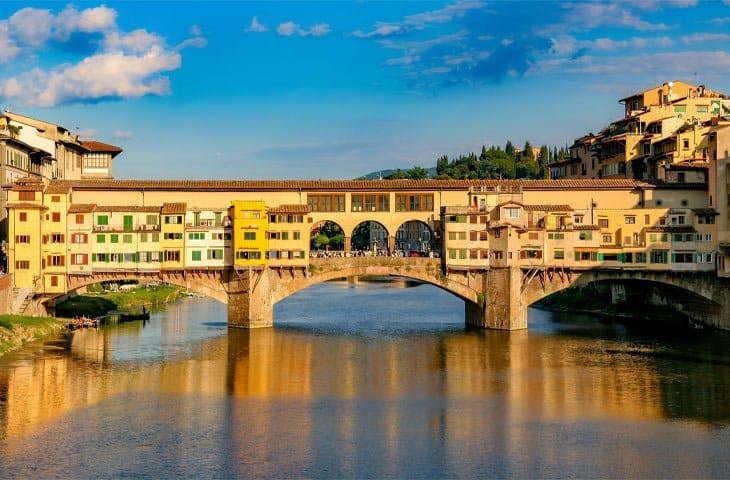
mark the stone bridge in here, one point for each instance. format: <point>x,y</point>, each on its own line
<point>494,297</point>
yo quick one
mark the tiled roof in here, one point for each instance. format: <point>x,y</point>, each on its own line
<point>94,146</point>
<point>586,227</point>
<point>81,208</point>
<point>58,188</point>
<point>130,208</point>
<point>548,208</point>
<point>173,208</point>
<point>351,185</point>
<point>26,205</point>
<point>290,209</point>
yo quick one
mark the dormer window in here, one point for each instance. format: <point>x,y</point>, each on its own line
<point>512,212</point>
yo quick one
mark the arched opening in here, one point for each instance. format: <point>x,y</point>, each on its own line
<point>370,236</point>
<point>327,236</point>
<point>415,238</point>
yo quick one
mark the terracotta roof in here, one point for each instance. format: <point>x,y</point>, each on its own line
<point>128,208</point>
<point>548,208</point>
<point>173,208</point>
<point>25,205</point>
<point>351,185</point>
<point>586,227</point>
<point>94,146</point>
<point>697,165</point>
<point>58,188</point>
<point>510,202</point>
<point>289,209</point>
<point>81,208</point>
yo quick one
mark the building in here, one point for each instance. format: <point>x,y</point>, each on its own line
<point>662,136</point>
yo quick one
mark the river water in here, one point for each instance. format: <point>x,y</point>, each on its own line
<point>367,380</point>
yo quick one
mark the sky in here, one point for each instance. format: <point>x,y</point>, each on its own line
<point>335,90</point>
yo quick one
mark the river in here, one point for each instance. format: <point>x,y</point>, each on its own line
<point>367,379</point>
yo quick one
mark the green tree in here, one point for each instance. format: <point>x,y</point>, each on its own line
<point>417,173</point>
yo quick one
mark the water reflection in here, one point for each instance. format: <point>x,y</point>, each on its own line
<point>398,389</point>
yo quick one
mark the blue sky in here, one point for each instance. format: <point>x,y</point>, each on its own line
<point>281,90</point>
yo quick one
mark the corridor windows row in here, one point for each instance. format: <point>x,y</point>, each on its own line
<point>371,203</point>
<point>284,254</point>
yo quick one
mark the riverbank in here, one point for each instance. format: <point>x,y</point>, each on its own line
<point>16,330</point>
<point>97,304</point>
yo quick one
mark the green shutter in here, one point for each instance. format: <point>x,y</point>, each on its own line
<point>577,256</point>
<point>93,257</point>
<point>128,223</point>
<point>600,257</point>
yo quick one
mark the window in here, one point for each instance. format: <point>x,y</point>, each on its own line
<point>603,223</point>
<point>296,235</point>
<point>659,256</point>
<point>101,238</point>
<point>128,222</point>
<point>456,219</point>
<point>249,235</point>
<point>23,216</point>
<point>155,237</point>
<point>172,255</point>
<point>215,254</point>
<point>640,257</point>
<point>647,219</point>
<point>102,220</point>
<point>683,257</point>
<point>196,236</point>
<point>54,280</point>
<point>170,236</point>
<point>22,264</point>
<point>559,254</point>
<point>151,219</point>
<point>196,255</point>
<point>114,238</point>
<point>462,235</point>
<point>26,196</point>
<point>414,202</point>
<point>678,220</point>
<point>607,238</point>
<point>22,239</point>
<point>79,218</point>
<point>173,219</point>
<point>578,219</point>
<point>127,238</point>
<point>370,203</point>
<point>585,235</point>
<point>326,203</point>
<point>248,255</point>
<point>462,254</point>
<point>630,220</point>
<point>79,259</point>
<point>680,108</point>
<point>702,108</point>
<point>56,260</point>
<point>452,235</point>
<point>685,144</point>
<point>57,238</point>
<point>512,212</point>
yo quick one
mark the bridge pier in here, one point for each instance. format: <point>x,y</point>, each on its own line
<point>503,307</point>
<point>249,300</point>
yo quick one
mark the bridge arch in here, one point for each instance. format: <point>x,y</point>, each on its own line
<point>369,235</point>
<point>692,294</point>
<point>415,236</point>
<point>327,235</point>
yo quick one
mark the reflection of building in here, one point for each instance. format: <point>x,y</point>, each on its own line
<point>378,236</point>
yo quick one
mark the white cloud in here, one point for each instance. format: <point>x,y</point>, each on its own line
<point>195,30</point>
<point>255,26</point>
<point>420,20</point>
<point>590,15</point>
<point>91,20</point>
<point>705,37</point>
<point>670,64</point>
<point>30,26</point>
<point>568,45</point>
<point>287,29</point>
<point>381,30</point>
<point>405,60</point>
<point>122,135</point>
<point>124,65</point>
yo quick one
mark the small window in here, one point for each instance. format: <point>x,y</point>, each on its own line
<point>23,216</point>
<point>249,235</point>
<point>630,220</point>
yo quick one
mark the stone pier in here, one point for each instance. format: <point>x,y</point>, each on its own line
<point>502,307</point>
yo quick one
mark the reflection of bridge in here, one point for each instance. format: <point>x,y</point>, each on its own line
<point>494,297</point>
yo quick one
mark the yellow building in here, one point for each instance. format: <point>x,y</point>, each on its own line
<point>25,239</point>
<point>172,235</point>
<point>250,224</point>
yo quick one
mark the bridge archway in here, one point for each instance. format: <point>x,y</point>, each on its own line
<point>327,235</point>
<point>692,296</point>
<point>369,235</point>
<point>415,236</point>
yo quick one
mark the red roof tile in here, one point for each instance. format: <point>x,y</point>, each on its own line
<point>94,146</point>
<point>173,208</point>
<point>289,209</point>
<point>81,208</point>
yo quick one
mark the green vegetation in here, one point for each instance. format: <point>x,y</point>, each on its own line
<point>96,304</point>
<point>16,330</point>
<point>328,235</point>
